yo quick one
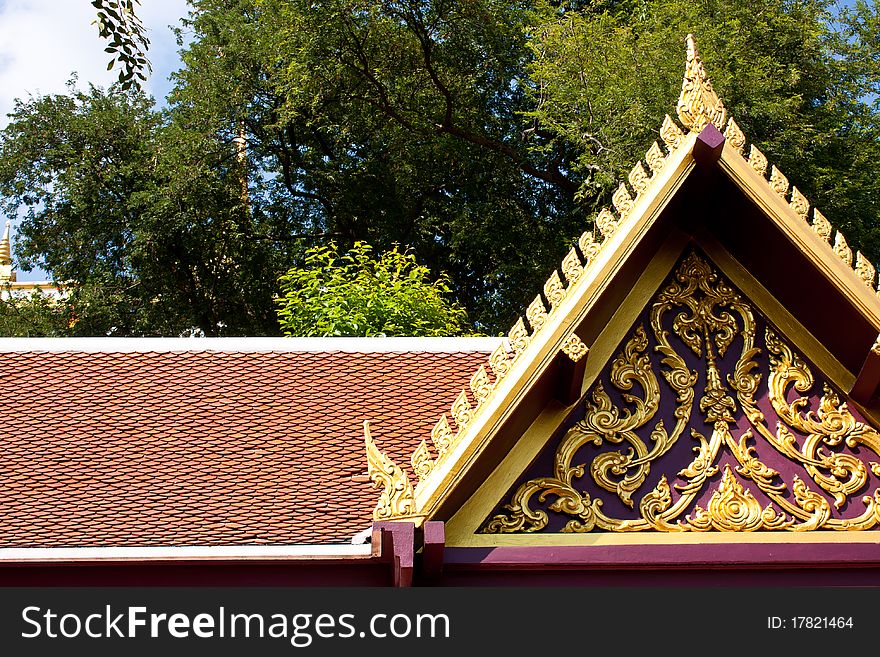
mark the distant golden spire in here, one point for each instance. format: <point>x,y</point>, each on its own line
<point>6,246</point>
<point>7,274</point>
<point>698,103</point>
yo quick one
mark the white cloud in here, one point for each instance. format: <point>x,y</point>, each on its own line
<point>43,41</point>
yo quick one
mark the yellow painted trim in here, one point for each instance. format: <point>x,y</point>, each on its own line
<point>476,509</point>
<point>544,345</point>
<point>756,188</point>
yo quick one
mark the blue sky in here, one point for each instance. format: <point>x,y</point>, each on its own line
<point>43,41</point>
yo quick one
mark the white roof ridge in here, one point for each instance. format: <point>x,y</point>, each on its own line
<point>251,344</point>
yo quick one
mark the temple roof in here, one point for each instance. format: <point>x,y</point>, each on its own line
<point>701,188</point>
<point>208,442</point>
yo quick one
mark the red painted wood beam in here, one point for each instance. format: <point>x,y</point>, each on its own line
<point>708,147</point>
<point>396,541</point>
<point>434,536</point>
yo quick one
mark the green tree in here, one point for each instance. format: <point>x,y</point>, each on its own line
<point>127,40</point>
<point>34,315</point>
<point>141,213</point>
<point>792,74</point>
<point>355,294</point>
<point>483,134</point>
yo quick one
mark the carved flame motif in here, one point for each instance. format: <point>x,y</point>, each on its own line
<point>396,498</point>
<point>698,104</point>
<point>698,314</point>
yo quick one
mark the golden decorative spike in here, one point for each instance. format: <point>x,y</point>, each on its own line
<point>876,346</point>
<point>481,386</point>
<point>441,436</point>
<point>757,161</point>
<point>799,203</point>
<point>589,247</point>
<point>655,158</point>
<point>606,223</point>
<point>734,136</point>
<point>421,461</point>
<point>622,201</point>
<point>536,313</point>
<point>396,498</point>
<point>670,133</point>
<point>698,104</point>
<point>865,270</point>
<point>778,182</point>
<point>841,248</point>
<point>462,411</point>
<point>519,337</point>
<point>821,226</point>
<point>500,362</point>
<point>639,179</point>
<point>571,266</point>
<point>554,290</point>
<point>575,348</point>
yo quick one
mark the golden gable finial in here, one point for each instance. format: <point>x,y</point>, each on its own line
<point>698,103</point>
<point>396,498</point>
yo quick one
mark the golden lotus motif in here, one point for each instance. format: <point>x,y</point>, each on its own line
<point>698,315</point>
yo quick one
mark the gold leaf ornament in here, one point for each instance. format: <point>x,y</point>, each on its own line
<point>698,104</point>
<point>421,461</point>
<point>396,498</point>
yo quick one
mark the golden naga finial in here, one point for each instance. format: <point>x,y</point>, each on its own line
<point>698,104</point>
<point>396,498</point>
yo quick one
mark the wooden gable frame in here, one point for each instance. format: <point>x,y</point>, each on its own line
<point>699,191</point>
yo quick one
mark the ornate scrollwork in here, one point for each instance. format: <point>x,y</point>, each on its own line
<point>536,313</point>
<point>842,250</point>
<point>698,314</point>
<point>735,136</point>
<point>481,386</point>
<point>799,203</point>
<point>865,270</point>
<point>606,222</point>
<point>441,436</point>
<point>639,179</point>
<point>500,362</point>
<point>396,498</point>
<point>554,290</point>
<point>778,182</point>
<point>421,461</point>
<point>758,161</point>
<point>698,104</point>
<point>655,158</point>
<point>572,267</point>
<point>622,201</point>
<point>821,226</point>
<point>670,133</point>
<point>589,247</point>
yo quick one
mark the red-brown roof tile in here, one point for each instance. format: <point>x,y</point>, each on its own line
<point>207,448</point>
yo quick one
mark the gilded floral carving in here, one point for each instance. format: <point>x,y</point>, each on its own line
<point>703,355</point>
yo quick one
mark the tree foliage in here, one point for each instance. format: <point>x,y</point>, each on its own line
<point>127,40</point>
<point>355,294</point>
<point>34,316</point>
<point>482,135</point>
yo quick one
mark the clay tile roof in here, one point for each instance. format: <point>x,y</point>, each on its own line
<point>128,448</point>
